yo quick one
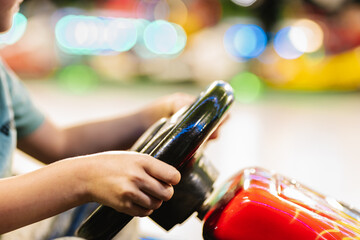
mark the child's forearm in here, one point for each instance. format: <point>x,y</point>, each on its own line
<point>129,182</point>
<point>112,134</point>
<point>121,133</point>
<point>49,143</point>
<point>41,194</point>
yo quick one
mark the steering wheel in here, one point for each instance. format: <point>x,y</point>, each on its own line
<point>174,141</point>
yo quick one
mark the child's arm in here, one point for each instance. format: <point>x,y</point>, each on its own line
<point>129,182</point>
<point>49,143</point>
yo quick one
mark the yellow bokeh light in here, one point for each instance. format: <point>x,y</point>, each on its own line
<point>178,12</point>
<point>174,11</point>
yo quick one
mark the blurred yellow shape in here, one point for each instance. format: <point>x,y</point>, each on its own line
<point>335,72</point>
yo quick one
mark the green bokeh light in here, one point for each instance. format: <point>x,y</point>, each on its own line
<point>247,87</point>
<point>78,79</point>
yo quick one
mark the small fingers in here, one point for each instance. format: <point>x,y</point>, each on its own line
<point>138,203</point>
<point>135,210</point>
<point>157,189</point>
<point>162,171</point>
<point>146,201</point>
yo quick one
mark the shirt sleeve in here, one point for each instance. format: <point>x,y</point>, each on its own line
<point>27,117</point>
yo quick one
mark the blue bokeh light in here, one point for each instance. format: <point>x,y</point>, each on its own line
<point>245,41</point>
<point>283,45</point>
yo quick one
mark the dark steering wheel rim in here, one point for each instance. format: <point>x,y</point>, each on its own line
<point>174,141</point>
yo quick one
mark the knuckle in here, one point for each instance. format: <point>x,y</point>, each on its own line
<point>141,158</point>
<point>128,205</point>
<point>125,207</point>
<point>140,161</point>
<point>137,179</point>
<point>129,194</point>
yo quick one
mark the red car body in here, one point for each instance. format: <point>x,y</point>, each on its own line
<point>256,204</point>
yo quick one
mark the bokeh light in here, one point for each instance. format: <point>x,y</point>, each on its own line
<point>146,9</point>
<point>162,10</point>
<point>16,31</point>
<point>78,79</point>
<point>284,46</point>
<point>174,11</point>
<point>178,12</point>
<point>306,36</point>
<point>247,87</point>
<point>244,3</point>
<point>77,34</point>
<point>164,38</point>
<point>180,41</point>
<point>140,25</point>
<point>95,35</point>
<point>121,34</point>
<point>140,48</point>
<point>245,41</point>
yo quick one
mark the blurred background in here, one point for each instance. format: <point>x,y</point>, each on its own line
<point>297,45</point>
<point>294,66</point>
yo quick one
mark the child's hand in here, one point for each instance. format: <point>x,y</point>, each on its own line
<point>132,183</point>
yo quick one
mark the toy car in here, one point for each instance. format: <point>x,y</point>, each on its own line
<point>255,204</point>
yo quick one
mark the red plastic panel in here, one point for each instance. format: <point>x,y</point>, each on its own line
<point>256,204</point>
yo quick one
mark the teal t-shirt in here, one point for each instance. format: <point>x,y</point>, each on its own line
<point>18,116</point>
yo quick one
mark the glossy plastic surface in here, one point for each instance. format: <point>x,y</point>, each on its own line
<point>256,204</point>
<point>174,141</point>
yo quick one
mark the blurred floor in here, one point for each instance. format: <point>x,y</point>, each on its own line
<point>310,137</point>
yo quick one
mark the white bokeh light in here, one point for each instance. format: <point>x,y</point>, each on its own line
<point>244,3</point>
<point>306,36</point>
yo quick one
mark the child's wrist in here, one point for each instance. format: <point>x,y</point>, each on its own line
<point>80,173</point>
